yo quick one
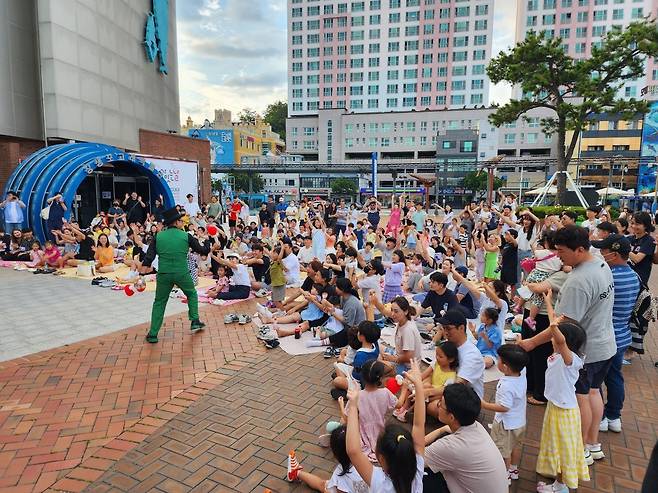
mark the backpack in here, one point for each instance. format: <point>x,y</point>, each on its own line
<point>644,311</point>
<point>528,264</point>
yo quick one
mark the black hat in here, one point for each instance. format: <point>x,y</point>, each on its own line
<point>615,243</point>
<point>594,208</point>
<point>462,269</point>
<point>452,317</point>
<point>170,216</point>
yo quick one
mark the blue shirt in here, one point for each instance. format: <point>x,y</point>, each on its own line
<point>493,333</point>
<point>627,288</point>
<point>13,212</point>
<point>361,357</point>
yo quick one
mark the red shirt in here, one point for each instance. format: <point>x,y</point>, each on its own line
<point>236,207</point>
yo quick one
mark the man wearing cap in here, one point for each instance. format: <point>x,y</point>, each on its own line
<point>614,250</point>
<point>471,365</point>
<point>172,246</point>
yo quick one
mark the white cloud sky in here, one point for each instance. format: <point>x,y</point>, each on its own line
<point>232,54</point>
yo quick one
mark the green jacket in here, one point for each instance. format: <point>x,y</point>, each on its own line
<point>172,246</point>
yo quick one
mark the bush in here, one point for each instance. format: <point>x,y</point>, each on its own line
<point>541,211</point>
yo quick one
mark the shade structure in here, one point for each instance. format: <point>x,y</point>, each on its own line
<point>537,191</point>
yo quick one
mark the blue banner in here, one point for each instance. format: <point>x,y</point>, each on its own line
<point>221,144</point>
<point>650,132</point>
<point>374,174</point>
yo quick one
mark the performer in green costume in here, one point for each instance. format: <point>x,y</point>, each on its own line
<point>172,246</point>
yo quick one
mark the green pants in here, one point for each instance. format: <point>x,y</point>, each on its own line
<point>165,283</point>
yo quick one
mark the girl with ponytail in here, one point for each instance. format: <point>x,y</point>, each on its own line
<point>399,452</point>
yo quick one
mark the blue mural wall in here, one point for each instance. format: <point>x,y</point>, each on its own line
<point>156,35</point>
<point>646,180</point>
<point>222,146</point>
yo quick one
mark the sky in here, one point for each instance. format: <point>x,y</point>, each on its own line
<point>232,54</point>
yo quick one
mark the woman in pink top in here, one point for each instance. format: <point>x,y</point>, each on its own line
<point>393,225</point>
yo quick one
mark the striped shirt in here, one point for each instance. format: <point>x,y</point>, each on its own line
<point>627,288</point>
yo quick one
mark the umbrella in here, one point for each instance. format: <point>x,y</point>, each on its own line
<point>537,191</point>
<point>614,192</point>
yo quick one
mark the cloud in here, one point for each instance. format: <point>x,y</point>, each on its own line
<point>232,54</point>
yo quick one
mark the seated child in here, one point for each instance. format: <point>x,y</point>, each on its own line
<point>367,253</point>
<point>312,316</point>
<point>224,274</point>
<point>488,336</point>
<point>343,365</point>
<point>37,257</point>
<point>52,255</point>
<point>331,327</point>
<point>509,423</point>
<point>204,264</point>
<point>441,373</point>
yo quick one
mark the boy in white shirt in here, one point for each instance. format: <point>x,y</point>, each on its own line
<point>305,253</point>
<point>508,428</point>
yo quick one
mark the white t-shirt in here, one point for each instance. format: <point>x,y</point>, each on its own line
<point>305,255</point>
<point>407,338</point>
<point>471,367</point>
<point>511,393</point>
<point>370,282</point>
<point>381,483</point>
<point>334,324</point>
<point>291,264</point>
<point>350,482</point>
<point>192,208</point>
<point>561,380</point>
<point>241,276</point>
<point>291,211</point>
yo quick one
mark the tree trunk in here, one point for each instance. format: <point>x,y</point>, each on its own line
<point>561,182</point>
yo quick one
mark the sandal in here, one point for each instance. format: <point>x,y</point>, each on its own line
<point>531,400</point>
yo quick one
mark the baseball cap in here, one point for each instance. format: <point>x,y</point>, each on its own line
<point>231,254</point>
<point>615,243</point>
<point>463,270</point>
<point>452,317</point>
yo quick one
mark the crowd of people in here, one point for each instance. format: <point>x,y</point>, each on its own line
<point>558,308</point>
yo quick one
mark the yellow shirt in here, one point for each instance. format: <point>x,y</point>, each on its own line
<point>105,256</point>
<point>440,377</point>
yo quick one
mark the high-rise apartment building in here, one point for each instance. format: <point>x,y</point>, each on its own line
<point>388,55</point>
<point>582,24</point>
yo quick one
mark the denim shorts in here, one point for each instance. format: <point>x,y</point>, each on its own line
<point>592,375</point>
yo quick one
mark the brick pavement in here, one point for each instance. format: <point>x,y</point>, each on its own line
<point>213,412</point>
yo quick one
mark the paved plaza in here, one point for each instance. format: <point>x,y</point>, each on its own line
<point>213,411</point>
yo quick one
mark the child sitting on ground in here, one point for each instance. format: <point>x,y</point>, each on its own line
<point>311,316</point>
<point>345,478</point>
<point>488,336</point>
<point>224,274</point>
<point>321,336</point>
<point>367,334</point>
<point>52,255</point>
<point>374,403</point>
<point>435,377</point>
<point>508,428</point>
<point>37,257</point>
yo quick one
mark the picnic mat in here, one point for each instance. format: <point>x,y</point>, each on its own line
<point>289,344</point>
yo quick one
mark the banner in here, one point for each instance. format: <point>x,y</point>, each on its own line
<point>181,176</point>
<point>221,143</point>
<point>374,174</point>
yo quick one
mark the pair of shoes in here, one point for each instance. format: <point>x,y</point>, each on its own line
<point>613,425</point>
<point>230,318</point>
<point>330,352</point>
<point>400,415</point>
<point>272,343</point>
<point>107,283</point>
<point>244,319</point>
<point>94,282</point>
<point>336,393</point>
<point>151,339</point>
<point>197,325</point>
<point>552,488</point>
<point>595,451</point>
<point>589,460</point>
<point>513,474</point>
<point>293,467</point>
<point>217,302</point>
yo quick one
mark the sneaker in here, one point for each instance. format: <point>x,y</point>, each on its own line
<point>552,488</point>
<point>329,352</point>
<point>272,343</point>
<point>244,319</point>
<point>151,339</point>
<point>217,302</point>
<point>230,318</point>
<point>604,425</point>
<point>267,335</point>
<point>261,293</point>
<point>336,393</point>
<point>513,474</point>
<point>614,425</point>
<point>293,467</point>
<point>589,460</point>
<point>595,451</point>
<point>197,325</point>
<point>400,415</point>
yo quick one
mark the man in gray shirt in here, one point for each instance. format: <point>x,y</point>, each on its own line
<point>586,297</point>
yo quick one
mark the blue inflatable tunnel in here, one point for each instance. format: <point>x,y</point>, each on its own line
<point>63,167</point>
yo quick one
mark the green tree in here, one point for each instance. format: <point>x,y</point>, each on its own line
<point>247,115</point>
<point>344,186</point>
<point>241,180</point>
<point>275,115</point>
<point>477,181</point>
<point>574,89</point>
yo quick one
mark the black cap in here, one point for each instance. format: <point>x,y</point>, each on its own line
<point>452,317</point>
<point>594,208</point>
<point>463,270</point>
<point>614,243</point>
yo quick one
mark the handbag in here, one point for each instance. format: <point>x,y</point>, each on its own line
<point>86,269</point>
<point>45,213</point>
<point>529,264</point>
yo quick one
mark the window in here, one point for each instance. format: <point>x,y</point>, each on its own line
<point>510,138</point>
<point>477,98</point>
<point>408,102</point>
<point>391,102</point>
<point>477,84</point>
<point>637,13</point>
<point>618,14</point>
<point>531,138</point>
<point>458,85</point>
<point>448,144</point>
<point>457,99</point>
<point>467,146</point>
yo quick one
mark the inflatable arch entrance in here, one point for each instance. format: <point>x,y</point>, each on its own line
<point>63,167</point>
